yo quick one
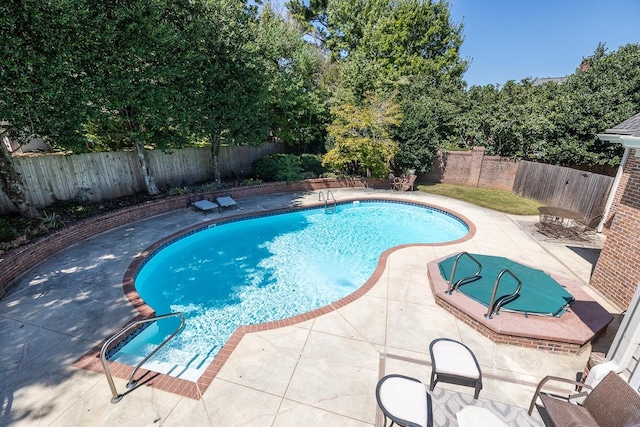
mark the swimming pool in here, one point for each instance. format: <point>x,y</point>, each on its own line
<point>267,268</point>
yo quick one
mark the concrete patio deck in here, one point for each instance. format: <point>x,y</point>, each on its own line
<point>319,372</point>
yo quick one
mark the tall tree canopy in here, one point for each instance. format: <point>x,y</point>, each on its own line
<point>43,86</point>
<point>143,74</point>
<point>295,97</point>
<point>556,123</point>
<point>405,38</point>
<point>405,50</point>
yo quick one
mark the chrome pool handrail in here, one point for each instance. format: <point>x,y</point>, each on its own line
<point>103,358</point>
<point>454,287</point>
<point>329,197</point>
<point>494,306</point>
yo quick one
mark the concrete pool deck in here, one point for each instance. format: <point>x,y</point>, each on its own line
<point>319,372</point>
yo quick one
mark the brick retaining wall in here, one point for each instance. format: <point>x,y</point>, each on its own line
<point>473,168</point>
<point>15,263</point>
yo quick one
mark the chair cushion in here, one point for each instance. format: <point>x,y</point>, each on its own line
<point>404,399</point>
<point>451,357</point>
<point>472,416</point>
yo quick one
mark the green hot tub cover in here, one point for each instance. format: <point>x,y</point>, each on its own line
<point>541,294</point>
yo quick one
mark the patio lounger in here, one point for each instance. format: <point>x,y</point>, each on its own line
<point>226,202</point>
<point>205,205</point>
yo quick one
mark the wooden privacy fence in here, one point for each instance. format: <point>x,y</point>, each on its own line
<point>94,177</point>
<point>580,191</point>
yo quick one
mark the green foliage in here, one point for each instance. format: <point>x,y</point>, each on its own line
<point>295,99</point>
<point>7,230</point>
<point>416,38</point>
<point>429,118</point>
<point>378,42</point>
<point>360,140</point>
<point>228,85</point>
<point>252,181</point>
<point>312,164</point>
<point>287,167</point>
<point>556,123</point>
<point>311,16</point>
<point>52,219</point>
<point>43,84</point>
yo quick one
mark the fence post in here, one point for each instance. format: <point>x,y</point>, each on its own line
<point>477,156</point>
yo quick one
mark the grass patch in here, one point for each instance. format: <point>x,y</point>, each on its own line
<point>499,200</point>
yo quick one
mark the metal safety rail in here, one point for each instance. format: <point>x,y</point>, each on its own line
<point>132,384</point>
<point>494,306</point>
<point>327,199</point>
<point>453,287</point>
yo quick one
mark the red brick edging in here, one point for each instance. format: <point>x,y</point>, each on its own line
<point>582,323</point>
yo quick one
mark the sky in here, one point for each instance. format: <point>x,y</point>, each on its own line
<point>515,39</point>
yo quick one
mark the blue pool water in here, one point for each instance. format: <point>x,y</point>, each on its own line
<point>268,268</point>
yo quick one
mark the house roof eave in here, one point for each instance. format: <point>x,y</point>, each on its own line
<point>627,141</point>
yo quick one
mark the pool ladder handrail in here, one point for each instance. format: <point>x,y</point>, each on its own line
<point>494,306</point>
<point>327,199</point>
<point>454,287</point>
<point>132,384</point>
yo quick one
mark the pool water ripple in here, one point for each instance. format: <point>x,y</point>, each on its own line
<point>269,268</point>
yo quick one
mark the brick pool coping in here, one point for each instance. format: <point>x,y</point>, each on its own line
<point>583,322</point>
<point>195,390</point>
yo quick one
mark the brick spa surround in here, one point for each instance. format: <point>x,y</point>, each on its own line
<point>195,390</point>
<point>583,322</point>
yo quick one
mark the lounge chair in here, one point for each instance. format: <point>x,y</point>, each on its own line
<point>204,205</point>
<point>611,403</point>
<point>226,202</point>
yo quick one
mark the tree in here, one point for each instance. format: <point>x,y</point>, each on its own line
<point>361,138</point>
<point>557,123</point>
<point>429,122</point>
<point>227,90</point>
<point>403,38</point>
<point>295,98</point>
<point>312,18</point>
<point>10,180</point>
<point>43,89</point>
<point>604,95</point>
<point>417,38</point>
<point>142,65</point>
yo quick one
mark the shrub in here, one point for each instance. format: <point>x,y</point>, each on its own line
<point>288,167</point>
<point>7,231</point>
<point>312,164</point>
